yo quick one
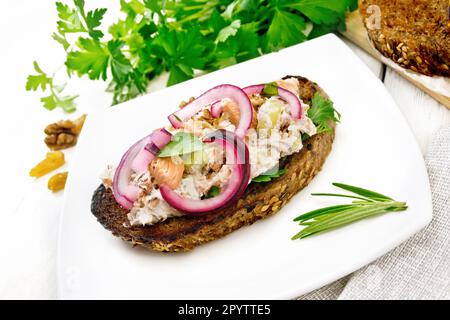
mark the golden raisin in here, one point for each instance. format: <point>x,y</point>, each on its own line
<point>54,160</point>
<point>57,182</point>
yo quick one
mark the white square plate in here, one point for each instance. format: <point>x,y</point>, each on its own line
<point>374,148</point>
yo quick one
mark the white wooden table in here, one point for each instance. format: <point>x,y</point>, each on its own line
<point>30,213</point>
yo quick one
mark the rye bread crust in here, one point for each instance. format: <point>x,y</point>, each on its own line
<point>414,34</point>
<point>259,201</point>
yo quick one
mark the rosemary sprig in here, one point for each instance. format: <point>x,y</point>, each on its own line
<point>366,204</point>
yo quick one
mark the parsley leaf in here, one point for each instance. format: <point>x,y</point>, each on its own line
<point>61,40</point>
<point>228,31</point>
<point>69,21</point>
<point>240,47</point>
<point>65,102</point>
<point>183,52</point>
<point>45,83</point>
<point>49,102</point>
<point>76,20</point>
<point>120,65</point>
<point>92,19</point>
<point>92,59</point>
<point>320,11</point>
<point>269,176</point>
<point>39,80</point>
<point>182,143</point>
<point>322,113</point>
<point>326,15</point>
<point>285,30</point>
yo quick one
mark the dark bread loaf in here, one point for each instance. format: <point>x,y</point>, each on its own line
<point>259,201</point>
<point>413,33</point>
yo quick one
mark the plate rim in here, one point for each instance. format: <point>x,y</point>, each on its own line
<point>415,225</point>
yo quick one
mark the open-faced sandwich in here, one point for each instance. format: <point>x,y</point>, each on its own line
<point>228,158</point>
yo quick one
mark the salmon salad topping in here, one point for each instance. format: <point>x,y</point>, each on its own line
<point>195,166</point>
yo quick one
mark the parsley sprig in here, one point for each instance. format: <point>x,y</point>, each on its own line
<point>184,37</point>
<point>55,97</point>
<point>322,113</point>
<point>366,204</point>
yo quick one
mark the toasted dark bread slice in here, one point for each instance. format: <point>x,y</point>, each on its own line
<point>414,34</point>
<point>259,201</point>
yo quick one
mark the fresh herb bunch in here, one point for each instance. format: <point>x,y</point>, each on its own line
<point>366,204</point>
<point>183,37</point>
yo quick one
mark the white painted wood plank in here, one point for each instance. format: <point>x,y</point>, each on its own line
<point>424,114</point>
<point>373,64</point>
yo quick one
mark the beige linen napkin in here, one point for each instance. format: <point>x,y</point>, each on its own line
<point>420,267</point>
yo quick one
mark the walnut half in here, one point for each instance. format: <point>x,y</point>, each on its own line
<point>64,133</point>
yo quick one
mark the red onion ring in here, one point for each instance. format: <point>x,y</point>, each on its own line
<point>158,141</point>
<point>215,94</point>
<point>286,95</point>
<point>235,149</point>
<point>136,160</point>
<point>124,193</point>
<point>217,109</point>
